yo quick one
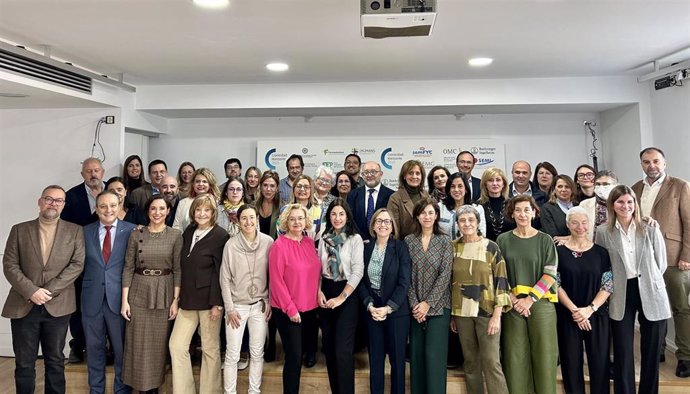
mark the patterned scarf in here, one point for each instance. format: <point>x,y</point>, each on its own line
<point>231,210</point>
<point>333,243</point>
<point>600,213</point>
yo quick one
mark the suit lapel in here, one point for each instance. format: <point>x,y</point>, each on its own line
<point>665,187</point>
<point>59,240</point>
<point>97,243</point>
<point>35,240</point>
<point>390,250</point>
<point>640,246</point>
<point>617,242</point>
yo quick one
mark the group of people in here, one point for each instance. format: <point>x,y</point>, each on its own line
<point>526,274</point>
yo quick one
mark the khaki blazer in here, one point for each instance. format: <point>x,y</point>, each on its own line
<point>400,207</point>
<point>24,269</point>
<point>671,209</point>
<point>650,260</point>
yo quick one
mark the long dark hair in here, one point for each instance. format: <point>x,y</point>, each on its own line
<point>131,183</point>
<point>349,228</point>
<point>430,177</point>
<point>353,183</point>
<point>467,199</point>
<point>224,193</point>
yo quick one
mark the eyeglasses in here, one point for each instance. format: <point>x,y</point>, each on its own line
<point>370,173</point>
<point>323,181</point>
<point>235,190</point>
<point>297,219</point>
<point>383,222</point>
<point>302,187</point>
<point>54,201</point>
<point>585,175</point>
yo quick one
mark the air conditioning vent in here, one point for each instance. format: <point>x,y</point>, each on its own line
<point>36,69</point>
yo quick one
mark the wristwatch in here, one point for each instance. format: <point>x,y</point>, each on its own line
<point>220,308</point>
<point>594,307</point>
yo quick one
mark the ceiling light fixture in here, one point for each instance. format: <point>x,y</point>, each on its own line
<point>277,67</point>
<point>480,61</point>
<point>212,3</point>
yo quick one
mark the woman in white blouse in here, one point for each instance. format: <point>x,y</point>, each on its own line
<point>342,259</point>
<point>203,181</point>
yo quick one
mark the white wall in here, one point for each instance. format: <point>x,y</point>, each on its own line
<point>671,125</point>
<point>558,138</point>
<point>39,147</point>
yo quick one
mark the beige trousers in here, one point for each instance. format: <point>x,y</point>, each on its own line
<point>209,330</point>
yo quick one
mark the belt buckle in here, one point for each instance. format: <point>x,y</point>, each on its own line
<point>152,272</point>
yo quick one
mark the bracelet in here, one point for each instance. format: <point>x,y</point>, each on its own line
<point>344,294</point>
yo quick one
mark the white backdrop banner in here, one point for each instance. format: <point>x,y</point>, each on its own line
<point>272,154</point>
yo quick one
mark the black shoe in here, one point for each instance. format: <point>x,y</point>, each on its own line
<point>309,360</point>
<point>76,356</point>
<point>683,369</point>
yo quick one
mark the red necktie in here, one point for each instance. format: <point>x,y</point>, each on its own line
<point>106,244</point>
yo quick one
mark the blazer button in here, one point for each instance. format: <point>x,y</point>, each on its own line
<point>639,275</point>
<point>141,251</point>
<point>141,240</point>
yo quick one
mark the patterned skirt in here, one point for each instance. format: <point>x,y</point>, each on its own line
<point>146,348</point>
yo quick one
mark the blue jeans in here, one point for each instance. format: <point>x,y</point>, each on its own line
<point>39,327</point>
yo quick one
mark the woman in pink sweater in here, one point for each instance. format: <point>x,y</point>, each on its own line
<point>294,270</point>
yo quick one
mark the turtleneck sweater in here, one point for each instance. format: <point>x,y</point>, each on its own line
<point>46,231</point>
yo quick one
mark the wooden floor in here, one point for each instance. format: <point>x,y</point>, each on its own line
<point>314,380</point>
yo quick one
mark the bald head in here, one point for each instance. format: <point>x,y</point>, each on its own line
<point>169,188</point>
<point>522,172</point>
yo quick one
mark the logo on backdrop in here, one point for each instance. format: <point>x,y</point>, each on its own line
<point>422,152</point>
<point>384,153</point>
<point>267,159</point>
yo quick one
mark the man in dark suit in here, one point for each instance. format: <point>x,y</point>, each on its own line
<point>465,162</point>
<point>158,170</point>
<point>80,207</point>
<point>42,259</point>
<point>101,296</point>
<point>361,198</point>
<point>522,173</point>
<point>667,200</point>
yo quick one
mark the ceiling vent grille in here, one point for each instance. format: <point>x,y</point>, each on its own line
<point>36,69</point>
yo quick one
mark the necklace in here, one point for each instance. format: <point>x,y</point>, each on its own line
<point>496,223</point>
<point>253,289</point>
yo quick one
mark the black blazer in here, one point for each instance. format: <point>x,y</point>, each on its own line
<point>357,202</point>
<point>553,220</point>
<point>395,277</point>
<point>77,209</point>
<point>200,286</point>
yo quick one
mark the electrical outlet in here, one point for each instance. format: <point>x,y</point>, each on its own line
<point>109,119</point>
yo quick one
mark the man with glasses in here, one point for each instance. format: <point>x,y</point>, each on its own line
<point>295,167</point>
<point>352,166</point>
<point>233,167</point>
<point>465,162</point>
<point>43,257</point>
<point>364,201</point>
<point>80,208</point>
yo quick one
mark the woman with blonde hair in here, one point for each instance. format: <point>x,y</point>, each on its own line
<point>203,182</point>
<point>561,199</point>
<point>294,269</point>
<point>252,179</point>
<point>493,197</point>
<point>201,301</point>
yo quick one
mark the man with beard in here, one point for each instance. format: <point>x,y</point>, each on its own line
<point>170,194</point>
<point>158,170</point>
<point>295,167</point>
<point>80,207</point>
<point>43,257</point>
<point>352,165</point>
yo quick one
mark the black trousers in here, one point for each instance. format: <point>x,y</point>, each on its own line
<point>78,341</point>
<point>338,327</point>
<point>651,335</point>
<point>388,337</point>
<point>291,335</point>
<point>570,347</point>
<point>39,327</point>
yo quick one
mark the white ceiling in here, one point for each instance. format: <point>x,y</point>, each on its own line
<point>174,42</point>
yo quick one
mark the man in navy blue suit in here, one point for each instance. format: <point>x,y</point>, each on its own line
<point>465,162</point>
<point>106,245</point>
<point>80,207</point>
<point>361,198</point>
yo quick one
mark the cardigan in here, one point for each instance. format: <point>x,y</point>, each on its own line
<point>351,261</point>
<point>244,264</point>
<point>200,287</point>
<point>400,207</point>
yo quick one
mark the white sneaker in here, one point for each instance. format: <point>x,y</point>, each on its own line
<point>244,362</point>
